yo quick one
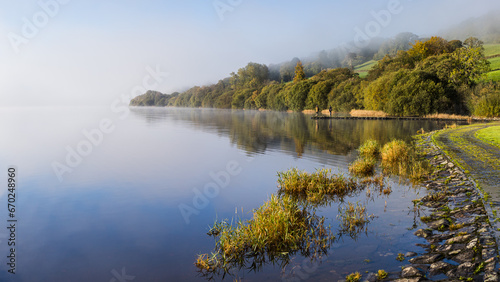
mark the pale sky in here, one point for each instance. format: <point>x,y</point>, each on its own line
<point>76,52</point>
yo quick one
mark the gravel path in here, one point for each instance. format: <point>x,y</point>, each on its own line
<point>482,160</point>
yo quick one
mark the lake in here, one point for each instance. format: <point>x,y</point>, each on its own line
<point>130,196</point>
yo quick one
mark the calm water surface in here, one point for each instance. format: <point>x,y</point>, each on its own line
<point>100,194</point>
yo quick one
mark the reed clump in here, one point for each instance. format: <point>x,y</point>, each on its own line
<point>363,167</point>
<point>395,155</point>
<point>401,159</point>
<point>369,149</point>
<point>314,186</point>
<point>367,113</point>
<point>279,228</point>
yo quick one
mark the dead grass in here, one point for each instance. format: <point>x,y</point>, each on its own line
<point>447,116</point>
<point>365,113</point>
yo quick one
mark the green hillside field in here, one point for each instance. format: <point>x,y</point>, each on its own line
<point>492,50</point>
<point>364,68</point>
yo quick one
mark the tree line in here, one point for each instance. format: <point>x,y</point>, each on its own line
<point>426,77</point>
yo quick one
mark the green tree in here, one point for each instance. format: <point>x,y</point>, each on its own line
<point>318,95</point>
<point>296,94</point>
<point>299,73</point>
<point>473,42</point>
<point>470,66</point>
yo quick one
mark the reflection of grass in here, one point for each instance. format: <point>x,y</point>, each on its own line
<point>353,218</point>
<point>278,229</point>
<point>490,135</point>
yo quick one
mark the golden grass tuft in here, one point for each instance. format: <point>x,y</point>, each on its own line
<point>370,149</point>
<point>366,113</point>
<point>363,167</point>
<point>400,159</point>
<point>447,116</point>
<point>316,185</point>
<point>394,154</point>
<point>279,228</point>
<point>382,274</point>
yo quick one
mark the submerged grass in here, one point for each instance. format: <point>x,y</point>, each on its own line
<point>353,277</point>
<point>315,186</point>
<point>278,229</point>
<point>370,149</point>
<point>401,159</point>
<point>287,225</point>
<point>353,219</point>
<point>363,167</point>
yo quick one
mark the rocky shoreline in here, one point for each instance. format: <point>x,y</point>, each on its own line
<point>460,241</point>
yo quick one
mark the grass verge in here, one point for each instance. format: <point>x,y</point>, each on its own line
<point>490,135</point>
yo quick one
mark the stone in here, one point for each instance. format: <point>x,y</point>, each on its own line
<point>490,277</point>
<point>464,256</point>
<point>440,267</point>
<point>440,237</point>
<point>411,271</point>
<point>410,254</point>
<point>459,239</point>
<point>488,253</point>
<point>424,233</point>
<point>489,267</point>
<point>438,224</point>
<point>466,269</point>
<point>427,259</point>
<point>473,243</point>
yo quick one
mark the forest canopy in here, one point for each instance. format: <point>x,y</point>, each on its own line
<point>411,78</point>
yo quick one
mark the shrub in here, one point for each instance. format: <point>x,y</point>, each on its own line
<point>488,106</point>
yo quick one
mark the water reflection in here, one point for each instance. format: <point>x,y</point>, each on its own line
<point>259,131</point>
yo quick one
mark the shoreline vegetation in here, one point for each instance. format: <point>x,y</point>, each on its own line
<point>461,242</point>
<point>430,77</point>
<point>287,223</point>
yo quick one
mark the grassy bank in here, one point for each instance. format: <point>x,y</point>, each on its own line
<point>490,135</point>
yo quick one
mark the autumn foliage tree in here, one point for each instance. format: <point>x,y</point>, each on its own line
<point>299,72</point>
